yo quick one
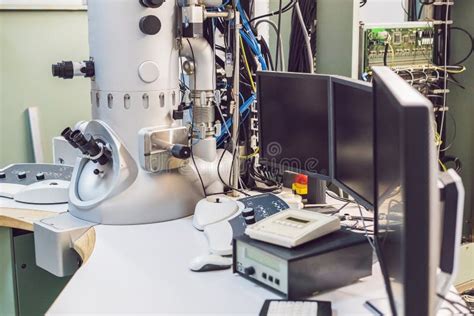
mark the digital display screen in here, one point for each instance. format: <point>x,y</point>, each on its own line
<point>293,121</point>
<point>257,256</point>
<point>298,220</point>
<point>353,138</point>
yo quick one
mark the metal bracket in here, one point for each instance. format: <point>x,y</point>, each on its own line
<point>154,157</point>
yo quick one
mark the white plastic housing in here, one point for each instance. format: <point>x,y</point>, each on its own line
<point>136,82</point>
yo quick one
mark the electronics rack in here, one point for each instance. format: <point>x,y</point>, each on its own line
<point>405,47</point>
<point>411,49</point>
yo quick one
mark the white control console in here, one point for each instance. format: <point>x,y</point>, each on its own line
<point>292,228</point>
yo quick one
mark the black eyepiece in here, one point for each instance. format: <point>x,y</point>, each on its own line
<point>66,133</point>
<point>64,69</point>
<point>88,147</point>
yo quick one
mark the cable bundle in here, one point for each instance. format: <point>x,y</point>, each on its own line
<point>298,60</point>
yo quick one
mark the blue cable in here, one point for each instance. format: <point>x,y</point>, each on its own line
<point>244,107</point>
<point>249,37</point>
<point>224,4</point>
<point>255,49</point>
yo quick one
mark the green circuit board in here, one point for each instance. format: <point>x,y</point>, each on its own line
<point>403,46</point>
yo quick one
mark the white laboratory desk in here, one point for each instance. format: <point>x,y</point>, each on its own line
<point>136,269</point>
<point>144,269</point>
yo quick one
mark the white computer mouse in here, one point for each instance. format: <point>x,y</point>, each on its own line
<point>44,192</point>
<point>210,263</point>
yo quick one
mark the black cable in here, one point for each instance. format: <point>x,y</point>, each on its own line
<point>226,147</point>
<point>192,125</point>
<point>472,44</point>
<point>268,55</point>
<point>421,11</point>
<point>341,199</point>
<point>287,7</point>
<point>277,58</point>
<point>452,303</point>
<point>385,53</point>
<point>298,55</point>
<point>362,3</point>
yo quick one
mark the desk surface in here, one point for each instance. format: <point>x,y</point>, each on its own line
<point>144,269</point>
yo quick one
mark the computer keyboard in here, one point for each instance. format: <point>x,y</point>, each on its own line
<point>295,308</point>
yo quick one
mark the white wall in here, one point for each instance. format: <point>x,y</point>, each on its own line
<point>383,11</point>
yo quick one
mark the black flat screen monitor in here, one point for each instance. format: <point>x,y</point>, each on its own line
<point>353,148</point>
<point>407,198</point>
<point>294,122</point>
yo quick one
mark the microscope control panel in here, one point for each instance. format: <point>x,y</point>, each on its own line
<point>29,173</point>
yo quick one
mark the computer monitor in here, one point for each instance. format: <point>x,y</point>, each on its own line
<point>406,195</point>
<point>293,122</point>
<point>352,140</point>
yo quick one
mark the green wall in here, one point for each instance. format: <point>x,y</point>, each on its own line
<point>461,105</point>
<point>8,301</point>
<point>30,41</point>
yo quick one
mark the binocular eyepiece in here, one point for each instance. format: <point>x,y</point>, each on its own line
<point>95,149</point>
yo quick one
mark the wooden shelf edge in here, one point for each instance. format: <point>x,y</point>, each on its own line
<point>22,218</point>
<point>85,244</point>
<point>465,286</point>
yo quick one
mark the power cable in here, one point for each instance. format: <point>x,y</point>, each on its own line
<point>280,3</point>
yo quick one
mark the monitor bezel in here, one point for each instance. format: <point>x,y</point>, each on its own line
<point>422,233</point>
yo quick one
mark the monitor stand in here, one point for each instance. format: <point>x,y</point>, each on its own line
<point>316,191</point>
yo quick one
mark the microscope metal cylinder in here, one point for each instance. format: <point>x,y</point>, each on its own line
<point>136,73</point>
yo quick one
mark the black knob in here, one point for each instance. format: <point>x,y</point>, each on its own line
<point>249,216</point>
<point>89,69</point>
<point>178,115</point>
<point>152,3</point>
<point>150,25</point>
<point>249,271</point>
<point>21,175</point>
<point>63,70</point>
<point>3,175</point>
<point>40,176</point>
<point>181,151</point>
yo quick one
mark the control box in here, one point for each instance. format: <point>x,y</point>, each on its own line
<point>330,262</point>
